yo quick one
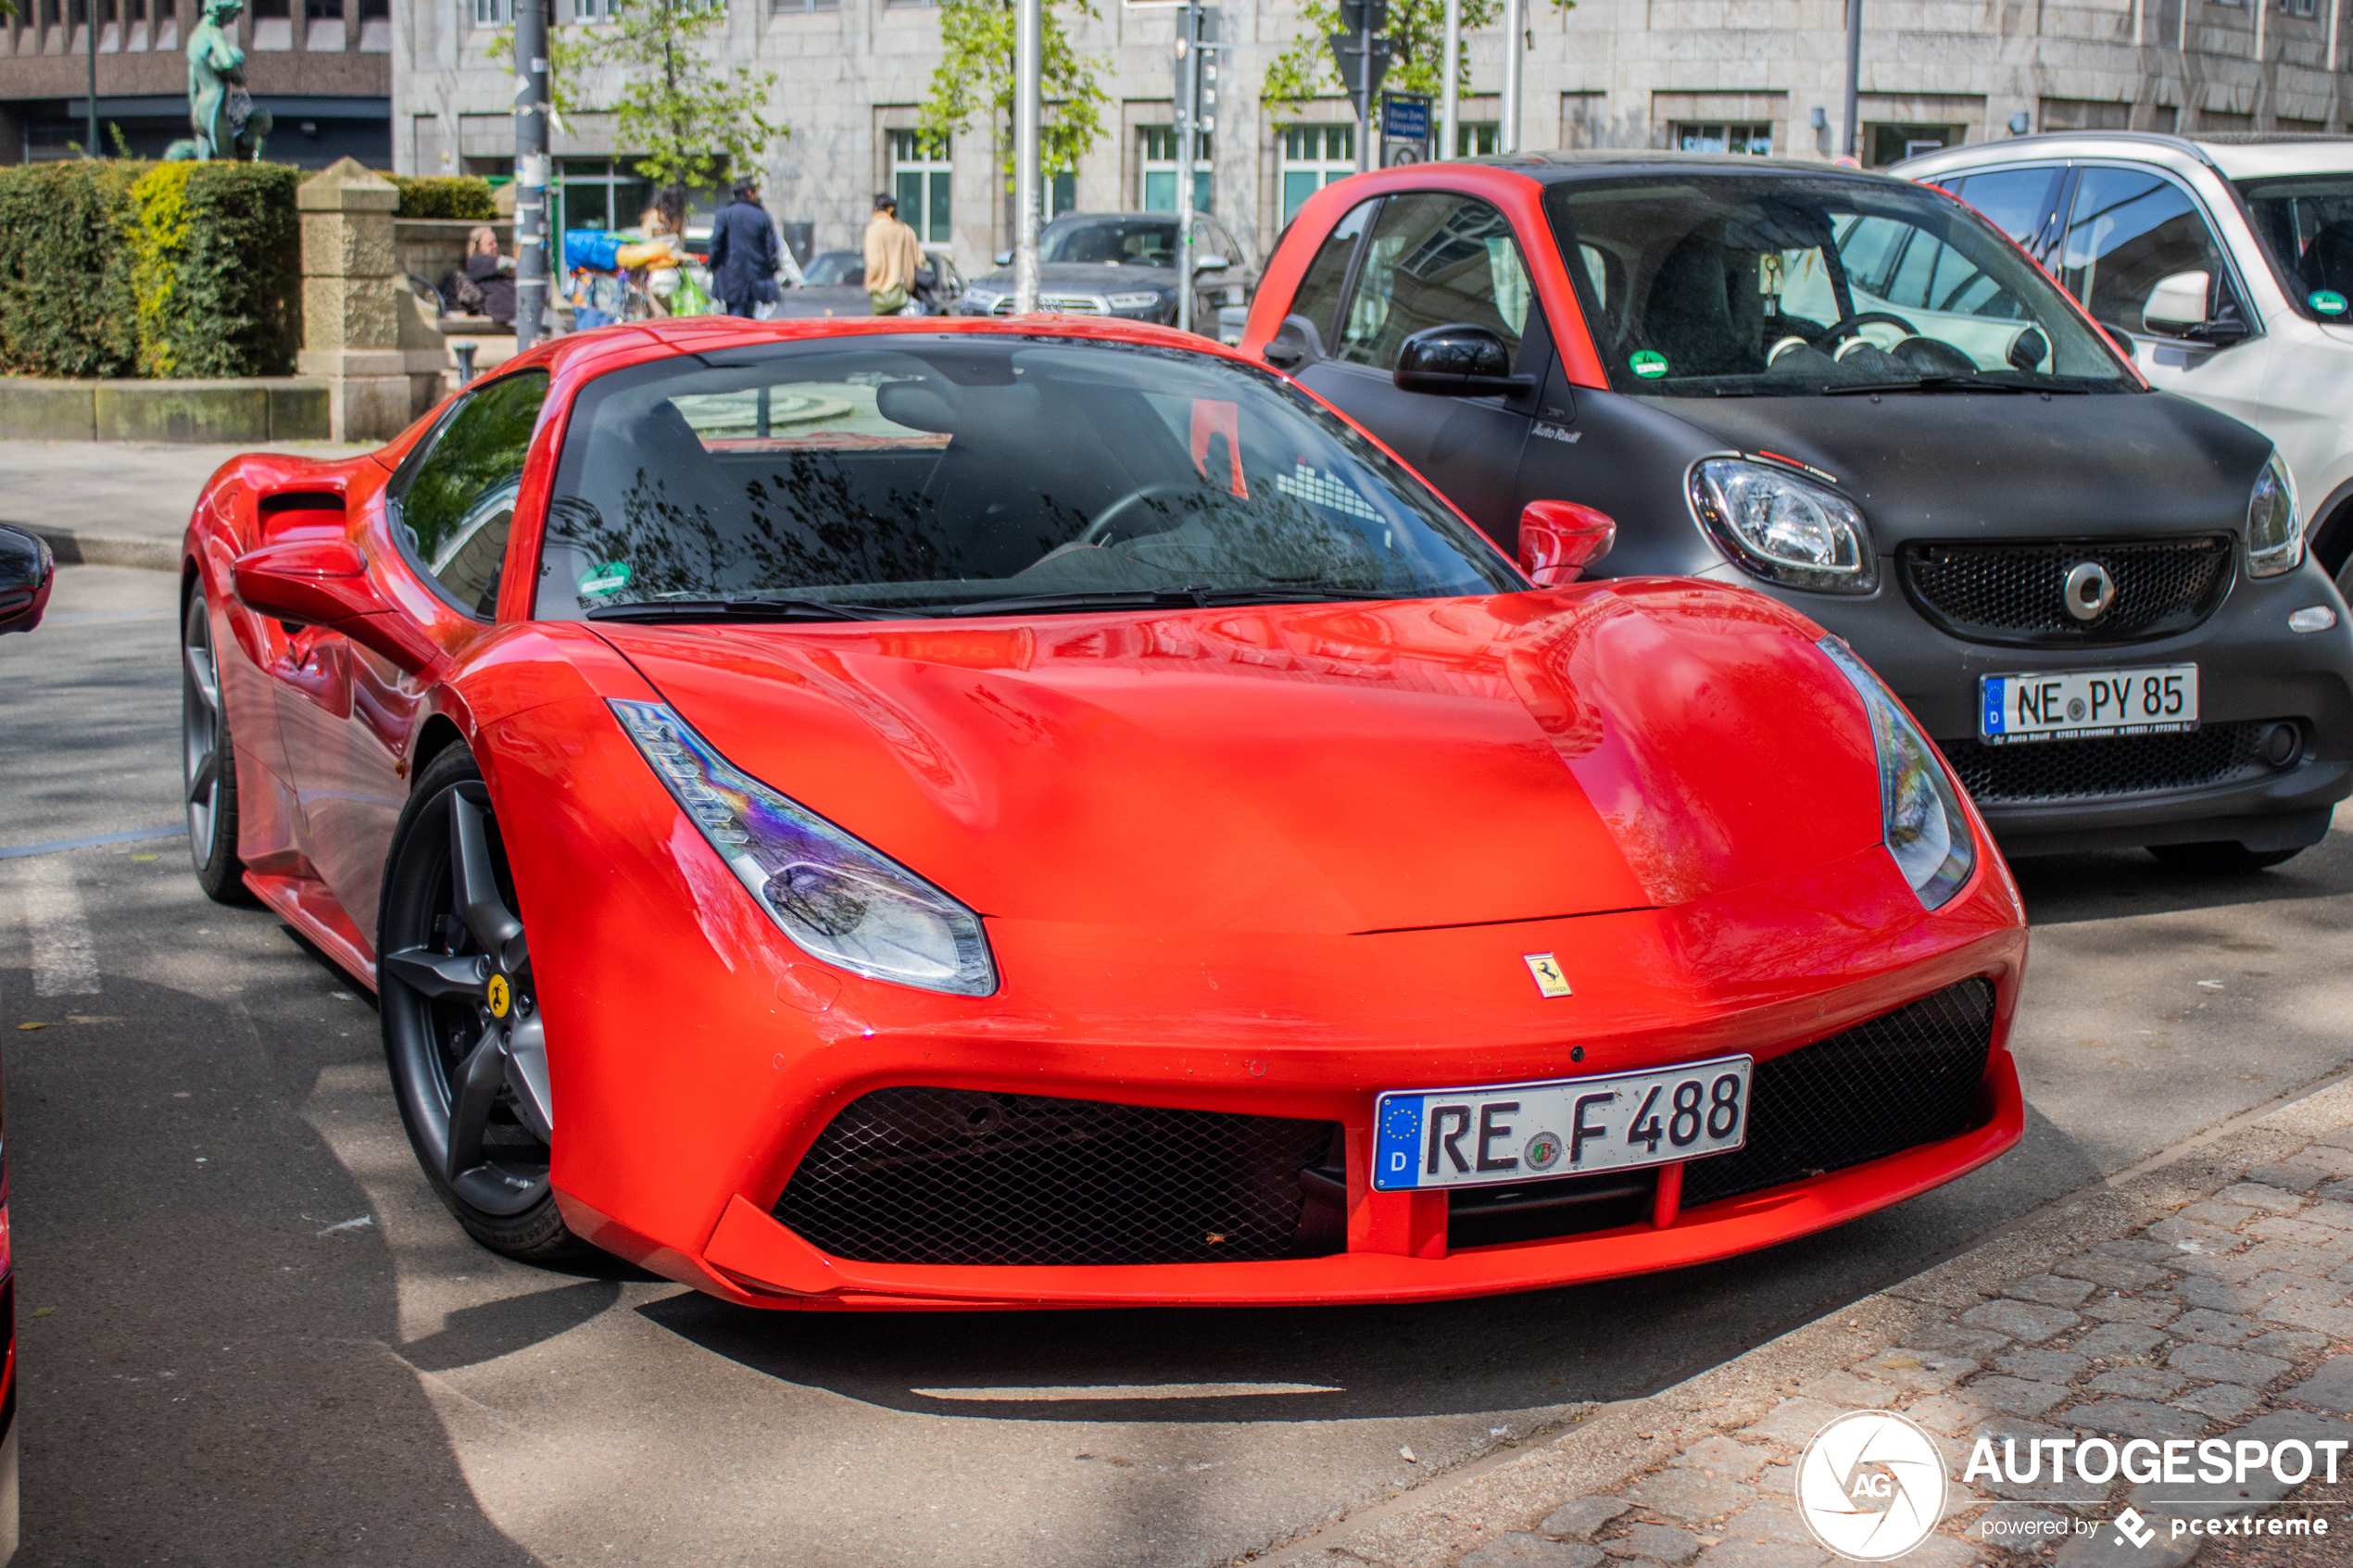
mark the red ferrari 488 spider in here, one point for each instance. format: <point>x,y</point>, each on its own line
<point>1006,814</point>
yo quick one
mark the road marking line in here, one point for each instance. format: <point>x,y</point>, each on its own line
<point>1132,1391</point>
<point>65,963</point>
<point>135,835</point>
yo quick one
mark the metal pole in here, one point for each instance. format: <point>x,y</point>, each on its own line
<point>531,169</point>
<point>1852,147</point>
<point>1365,159</point>
<point>1515,32</point>
<point>1187,117</point>
<point>1030,36</point>
<point>1450,106</point>
<point>90,15</point>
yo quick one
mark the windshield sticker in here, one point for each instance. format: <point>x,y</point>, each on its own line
<point>609,578</point>
<point>1647,365</point>
<point>1324,490</point>
<point>2328,302</point>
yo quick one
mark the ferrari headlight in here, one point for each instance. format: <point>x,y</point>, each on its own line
<point>2274,523</point>
<point>1782,528</point>
<point>1926,831</point>
<point>839,899</point>
<point>1144,300</point>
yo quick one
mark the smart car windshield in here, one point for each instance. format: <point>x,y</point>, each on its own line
<point>917,475</point>
<point>2306,224</point>
<point>1112,241</point>
<point>1787,285</point>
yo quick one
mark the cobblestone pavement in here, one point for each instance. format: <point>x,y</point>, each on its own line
<point>2209,1296</point>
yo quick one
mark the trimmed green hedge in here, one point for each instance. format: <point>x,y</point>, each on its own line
<point>114,267</point>
<point>445,196</point>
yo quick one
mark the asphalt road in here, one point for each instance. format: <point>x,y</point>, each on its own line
<point>251,1334</point>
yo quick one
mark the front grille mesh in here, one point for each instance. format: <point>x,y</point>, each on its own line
<point>1065,304</point>
<point>931,1175</point>
<point>2110,765</point>
<point>1906,1079</point>
<point>2010,593</point>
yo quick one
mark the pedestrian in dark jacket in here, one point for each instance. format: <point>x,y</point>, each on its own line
<point>744,252</point>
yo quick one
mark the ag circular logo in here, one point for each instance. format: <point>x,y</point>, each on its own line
<point>1543,1151</point>
<point>1870,1485</point>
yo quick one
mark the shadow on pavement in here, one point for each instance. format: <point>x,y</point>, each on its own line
<point>2062,889</point>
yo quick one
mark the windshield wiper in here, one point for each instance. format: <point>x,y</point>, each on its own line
<point>1926,383</point>
<point>1164,598</point>
<point>745,607</point>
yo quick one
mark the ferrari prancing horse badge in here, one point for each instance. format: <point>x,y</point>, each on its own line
<point>1548,978</point>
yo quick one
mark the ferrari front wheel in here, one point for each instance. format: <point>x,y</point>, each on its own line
<point>208,760</point>
<point>462,1025</point>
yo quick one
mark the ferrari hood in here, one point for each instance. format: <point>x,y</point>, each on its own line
<point>1307,769</point>
<point>1957,466</point>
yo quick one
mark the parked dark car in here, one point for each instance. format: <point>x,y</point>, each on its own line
<point>28,571</point>
<point>1854,395</point>
<point>836,285</point>
<point>1124,264</point>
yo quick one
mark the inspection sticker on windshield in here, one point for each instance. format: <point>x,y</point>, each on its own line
<point>2082,704</point>
<point>1566,1127</point>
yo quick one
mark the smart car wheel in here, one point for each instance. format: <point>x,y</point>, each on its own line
<point>208,762</point>
<point>461,1023</point>
<point>2219,857</point>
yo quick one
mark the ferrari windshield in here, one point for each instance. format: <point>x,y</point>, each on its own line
<point>2306,224</point>
<point>1790,284</point>
<point>926,474</point>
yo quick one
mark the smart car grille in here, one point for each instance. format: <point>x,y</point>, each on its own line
<point>928,1176</point>
<point>1902,1080</point>
<point>2114,765</point>
<point>2010,593</point>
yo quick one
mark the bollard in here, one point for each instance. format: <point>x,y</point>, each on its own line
<point>465,353</point>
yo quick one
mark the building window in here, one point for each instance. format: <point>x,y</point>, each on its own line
<point>919,178</point>
<point>494,13</point>
<point>594,11</point>
<point>784,8</point>
<point>1061,194</point>
<point>2300,9</point>
<point>1894,143</point>
<point>1314,156</point>
<point>1695,137</point>
<point>1159,166</point>
<point>1479,139</point>
<point>597,193</point>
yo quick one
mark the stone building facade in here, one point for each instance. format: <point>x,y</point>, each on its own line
<point>1745,75</point>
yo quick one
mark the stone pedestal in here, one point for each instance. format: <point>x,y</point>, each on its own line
<point>350,299</point>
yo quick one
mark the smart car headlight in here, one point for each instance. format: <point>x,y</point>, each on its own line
<point>1926,831</point>
<point>837,898</point>
<point>2274,523</point>
<point>1782,528</point>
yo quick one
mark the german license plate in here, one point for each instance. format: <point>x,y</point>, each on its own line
<point>1568,1127</point>
<point>2080,704</point>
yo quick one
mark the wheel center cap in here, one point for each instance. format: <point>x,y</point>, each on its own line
<point>502,996</point>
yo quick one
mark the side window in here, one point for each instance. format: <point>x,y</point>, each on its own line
<point>460,500</point>
<point>2127,230</point>
<point>2013,200</point>
<point>1319,295</point>
<point>1435,260</point>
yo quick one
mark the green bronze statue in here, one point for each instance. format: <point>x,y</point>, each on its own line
<point>223,115</point>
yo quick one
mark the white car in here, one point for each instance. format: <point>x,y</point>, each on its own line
<point>2225,261</point>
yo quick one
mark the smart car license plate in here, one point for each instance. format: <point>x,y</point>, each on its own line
<point>1570,1127</point>
<point>2079,703</point>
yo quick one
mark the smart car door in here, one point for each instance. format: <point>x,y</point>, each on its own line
<point>1435,258</point>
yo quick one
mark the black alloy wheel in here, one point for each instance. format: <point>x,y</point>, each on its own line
<point>461,1023</point>
<point>208,760</point>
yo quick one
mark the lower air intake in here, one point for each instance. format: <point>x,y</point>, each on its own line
<point>926,1175</point>
<point>2108,766</point>
<point>1908,1078</point>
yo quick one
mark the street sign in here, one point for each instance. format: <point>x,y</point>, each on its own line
<point>1352,16</point>
<point>1349,53</point>
<point>1404,117</point>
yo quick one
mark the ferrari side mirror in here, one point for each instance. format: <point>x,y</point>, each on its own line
<point>325,582</point>
<point>27,572</point>
<point>1559,539</point>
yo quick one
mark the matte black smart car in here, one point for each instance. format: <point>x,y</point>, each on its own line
<point>1856,394</point>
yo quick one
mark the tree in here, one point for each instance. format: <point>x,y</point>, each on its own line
<point>1417,35</point>
<point>694,120</point>
<point>976,78</point>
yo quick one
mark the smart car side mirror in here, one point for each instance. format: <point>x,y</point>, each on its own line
<point>325,582</point>
<point>1559,539</point>
<point>27,573</point>
<point>2177,303</point>
<point>1457,361</point>
<point>1004,258</point>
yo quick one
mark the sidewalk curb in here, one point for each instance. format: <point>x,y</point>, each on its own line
<point>103,549</point>
<point>1604,1452</point>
